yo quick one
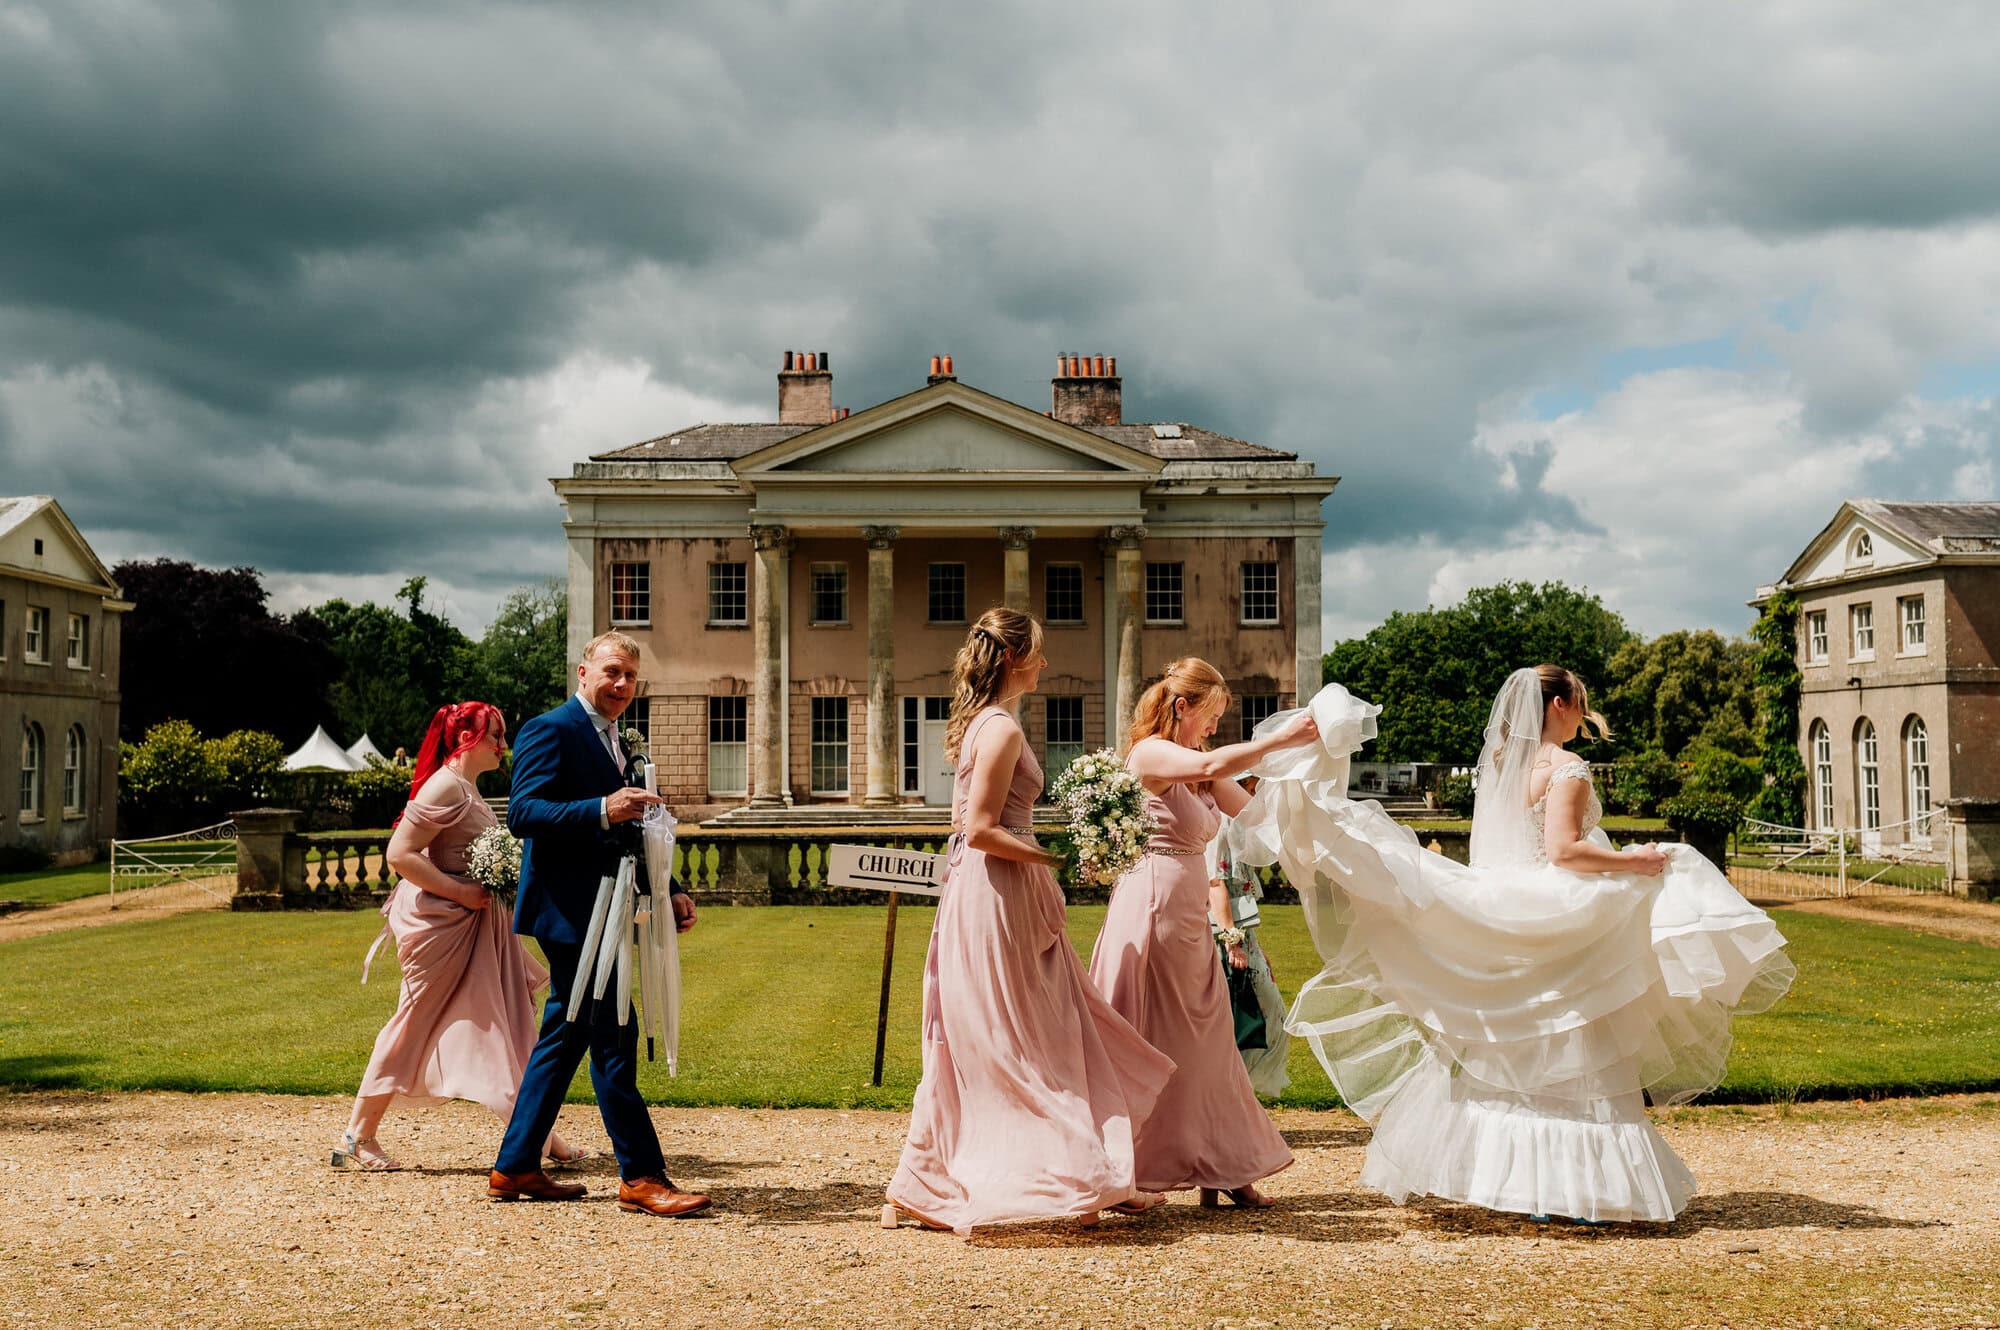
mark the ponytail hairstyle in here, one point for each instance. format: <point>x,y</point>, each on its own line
<point>456,727</point>
<point>1190,679</point>
<point>1002,637</point>
<point>1558,682</point>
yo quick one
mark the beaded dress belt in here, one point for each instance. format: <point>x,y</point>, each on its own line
<point>1164,850</point>
<point>1018,831</point>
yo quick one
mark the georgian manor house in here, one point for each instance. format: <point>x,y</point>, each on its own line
<point>800,587</point>
<point>1899,655</point>
<point>59,623</point>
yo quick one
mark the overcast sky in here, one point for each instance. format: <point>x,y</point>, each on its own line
<point>1627,294</point>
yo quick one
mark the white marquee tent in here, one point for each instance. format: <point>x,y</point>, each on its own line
<point>321,753</point>
<point>364,748</point>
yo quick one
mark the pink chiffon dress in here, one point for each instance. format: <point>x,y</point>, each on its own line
<point>465,1021</point>
<point>1033,1087</point>
<point>1156,962</point>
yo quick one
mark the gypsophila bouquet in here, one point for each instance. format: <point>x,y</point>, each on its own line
<point>494,861</point>
<point>1108,822</point>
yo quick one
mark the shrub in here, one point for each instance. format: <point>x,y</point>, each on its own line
<point>1698,814</point>
<point>1642,782</point>
<point>1455,794</point>
<point>379,792</point>
<point>1716,771</point>
<point>24,858</point>
<point>167,781</point>
<point>246,763</point>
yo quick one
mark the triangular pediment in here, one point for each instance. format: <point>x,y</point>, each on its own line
<point>1854,544</point>
<point>943,429</point>
<point>64,554</point>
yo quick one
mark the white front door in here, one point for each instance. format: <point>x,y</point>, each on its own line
<point>937,773</point>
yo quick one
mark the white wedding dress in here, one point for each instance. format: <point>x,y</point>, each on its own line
<point>1503,1025</point>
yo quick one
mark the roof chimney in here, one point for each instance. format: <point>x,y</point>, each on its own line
<point>941,370</point>
<point>805,389</point>
<point>1086,390</point>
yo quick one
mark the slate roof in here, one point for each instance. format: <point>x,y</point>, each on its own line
<point>726,443</point>
<point>1944,527</point>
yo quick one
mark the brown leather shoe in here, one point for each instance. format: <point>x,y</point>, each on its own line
<point>657,1196</point>
<point>536,1186</point>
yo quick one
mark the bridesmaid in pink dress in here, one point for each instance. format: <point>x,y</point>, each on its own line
<point>465,1021</point>
<point>1156,961</point>
<point>1032,1086</point>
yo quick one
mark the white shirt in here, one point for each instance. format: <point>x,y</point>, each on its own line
<point>606,734</point>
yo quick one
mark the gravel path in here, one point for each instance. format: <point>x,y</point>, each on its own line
<point>218,1210</point>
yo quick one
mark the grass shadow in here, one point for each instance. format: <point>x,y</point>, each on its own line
<point>1729,1212</point>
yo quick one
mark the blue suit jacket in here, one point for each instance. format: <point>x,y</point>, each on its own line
<point>561,774</point>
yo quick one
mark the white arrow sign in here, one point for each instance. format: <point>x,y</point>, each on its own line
<point>875,868</point>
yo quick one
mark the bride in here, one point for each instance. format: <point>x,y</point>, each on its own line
<point>1502,1026</point>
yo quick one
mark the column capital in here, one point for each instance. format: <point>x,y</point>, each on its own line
<point>767,536</point>
<point>1016,537</point>
<point>880,537</point>
<point>1122,538</point>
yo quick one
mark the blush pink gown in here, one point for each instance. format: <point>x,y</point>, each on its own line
<point>466,1021</point>
<point>1032,1085</point>
<point>1157,963</point>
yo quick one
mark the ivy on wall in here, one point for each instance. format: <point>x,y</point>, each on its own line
<point>1776,671</point>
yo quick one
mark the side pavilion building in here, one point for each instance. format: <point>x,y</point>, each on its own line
<point>800,587</point>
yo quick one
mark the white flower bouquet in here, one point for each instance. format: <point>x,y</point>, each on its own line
<point>494,861</point>
<point>1108,822</point>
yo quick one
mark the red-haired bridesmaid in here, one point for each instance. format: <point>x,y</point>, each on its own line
<point>465,1021</point>
<point>1155,959</point>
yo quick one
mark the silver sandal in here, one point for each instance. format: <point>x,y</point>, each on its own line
<point>348,1155</point>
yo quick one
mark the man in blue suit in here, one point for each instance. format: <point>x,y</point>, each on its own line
<point>569,791</point>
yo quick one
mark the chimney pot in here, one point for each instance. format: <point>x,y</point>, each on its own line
<point>805,390</point>
<point>826,362</point>
<point>947,366</point>
<point>1086,391</point>
<point>937,366</point>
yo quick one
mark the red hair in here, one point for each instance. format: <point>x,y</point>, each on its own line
<point>454,729</point>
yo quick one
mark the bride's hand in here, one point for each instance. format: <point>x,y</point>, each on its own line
<point>1301,729</point>
<point>1647,860</point>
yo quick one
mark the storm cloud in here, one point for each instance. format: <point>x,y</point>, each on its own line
<point>1624,294</point>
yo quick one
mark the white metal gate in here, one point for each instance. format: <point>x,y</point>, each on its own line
<point>1801,863</point>
<point>187,870</point>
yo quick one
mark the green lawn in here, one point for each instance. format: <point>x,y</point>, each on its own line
<point>781,1008</point>
<point>1623,828</point>
<point>48,886</point>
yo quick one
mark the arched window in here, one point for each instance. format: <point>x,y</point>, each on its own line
<point>73,770</point>
<point>1822,776</point>
<point>1917,774</point>
<point>1862,550</point>
<point>1868,775</point>
<point>34,768</point>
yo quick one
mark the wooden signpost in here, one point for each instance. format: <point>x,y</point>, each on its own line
<point>900,873</point>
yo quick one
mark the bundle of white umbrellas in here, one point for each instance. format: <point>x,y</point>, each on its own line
<point>634,915</point>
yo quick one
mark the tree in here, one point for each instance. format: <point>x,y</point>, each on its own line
<point>201,645</point>
<point>1776,669</point>
<point>395,670</point>
<point>523,661</point>
<point>1435,672</point>
<point>1681,690</point>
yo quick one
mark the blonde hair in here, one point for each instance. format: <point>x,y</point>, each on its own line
<point>1190,679</point>
<point>623,643</point>
<point>1558,682</point>
<point>1000,638</point>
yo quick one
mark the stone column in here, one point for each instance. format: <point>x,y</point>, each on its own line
<point>1131,571</point>
<point>269,858</point>
<point>1974,867</point>
<point>767,693</point>
<point>582,626</point>
<point>1015,540</point>
<point>1305,615</point>
<point>883,767</point>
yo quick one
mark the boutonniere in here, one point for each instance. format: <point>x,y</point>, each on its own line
<point>635,742</point>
